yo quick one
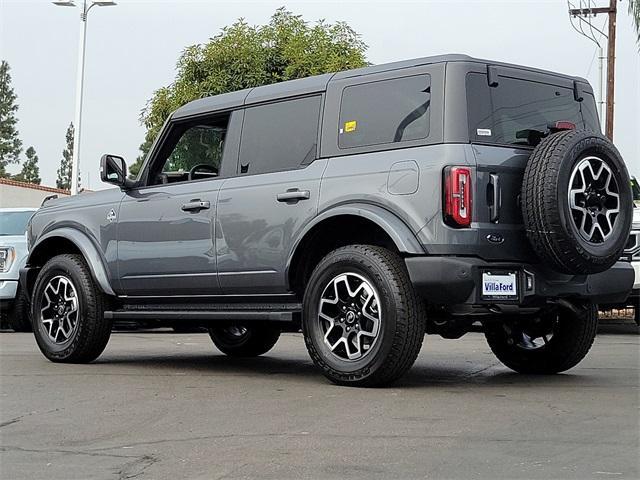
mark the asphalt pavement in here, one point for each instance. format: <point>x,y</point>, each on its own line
<point>169,406</point>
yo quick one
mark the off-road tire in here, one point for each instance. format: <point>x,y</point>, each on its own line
<point>18,316</point>
<point>403,319</point>
<point>574,333</point>
<point>93,330</point>
<point>257,340</point>
<point>545,205</point>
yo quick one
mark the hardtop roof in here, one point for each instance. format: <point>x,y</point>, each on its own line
<point>318,83</point>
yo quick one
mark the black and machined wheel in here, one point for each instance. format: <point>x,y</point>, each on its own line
<point>552,341</point>
<point>18,316</point>
<point>244,340</point>
<point>577,202</point>
<point>67,311</point>
<point>363,323</point>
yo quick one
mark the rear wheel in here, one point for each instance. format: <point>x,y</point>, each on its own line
<point>552,341</point>
<point>68,311</point>
<point>244,341</point>
<point>363,323</point>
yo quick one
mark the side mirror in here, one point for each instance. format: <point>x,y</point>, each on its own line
<point>113,169</point>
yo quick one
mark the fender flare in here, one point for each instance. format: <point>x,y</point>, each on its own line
<point>402,236</point>
<point>87,249</point>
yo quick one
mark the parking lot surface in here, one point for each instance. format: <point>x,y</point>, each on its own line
<point>169,406</point>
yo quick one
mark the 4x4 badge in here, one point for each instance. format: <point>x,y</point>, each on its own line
<point>111,216</point>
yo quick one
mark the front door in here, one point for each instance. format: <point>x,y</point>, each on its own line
<point>274,194</point>
<point>166,227</point>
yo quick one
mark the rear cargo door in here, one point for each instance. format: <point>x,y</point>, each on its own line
<point>505,118</point>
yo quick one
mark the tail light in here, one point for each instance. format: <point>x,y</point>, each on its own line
<point>457,196</point>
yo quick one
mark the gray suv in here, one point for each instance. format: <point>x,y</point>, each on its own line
<point>366,207</point>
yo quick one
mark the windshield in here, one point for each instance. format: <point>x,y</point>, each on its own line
<point>507,113</point>
<point>14,223</point>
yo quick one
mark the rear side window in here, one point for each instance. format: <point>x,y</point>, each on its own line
<point>504,114</point>
<point>279,136</point>
<point>385,112</point>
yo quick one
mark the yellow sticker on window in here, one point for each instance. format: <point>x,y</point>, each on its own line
<point>350,126</point>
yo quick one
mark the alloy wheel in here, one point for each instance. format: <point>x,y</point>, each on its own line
<point>60,312</point>
<point>594,199</point>
<point>349,315</point>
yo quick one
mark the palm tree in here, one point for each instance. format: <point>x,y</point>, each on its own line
<point>634,11</point>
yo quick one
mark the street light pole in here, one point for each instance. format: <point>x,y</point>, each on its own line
<point>77,127</point>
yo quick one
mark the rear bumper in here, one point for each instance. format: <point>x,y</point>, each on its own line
<point>457,280</point>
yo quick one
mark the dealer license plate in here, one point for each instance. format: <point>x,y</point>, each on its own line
<point>500,286</point>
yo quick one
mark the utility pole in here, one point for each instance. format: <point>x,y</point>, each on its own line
<point>583,13</point>
<point>611,67</point>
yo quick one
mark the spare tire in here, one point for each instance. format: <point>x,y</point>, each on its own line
<point>576,202</point>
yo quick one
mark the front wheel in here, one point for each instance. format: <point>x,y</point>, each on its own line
<point>552,341</point>
<point>67,311</point>
<point>363,323</point>
<point>244,341</point>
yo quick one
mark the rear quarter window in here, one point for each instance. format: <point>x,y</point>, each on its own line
<point>385,112</point>
<point>497,114</point>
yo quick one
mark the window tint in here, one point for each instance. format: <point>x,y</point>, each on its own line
<point>385,112</point>
<point>279,136</point>
<point>503,114</point>
<point>198,144</point>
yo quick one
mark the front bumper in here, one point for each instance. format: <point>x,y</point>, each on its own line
<point>8,289</point>
<point>457,280</point>
<point>636,268</point>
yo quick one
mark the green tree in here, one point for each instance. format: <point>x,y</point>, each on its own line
<point>243,56</point>
<point>10,144</point>
<point>30,172</point>
<point>64,172</point>
<point>634,11</point>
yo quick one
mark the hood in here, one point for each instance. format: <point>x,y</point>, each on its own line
<point>13,240</point>
<point>82,199</point>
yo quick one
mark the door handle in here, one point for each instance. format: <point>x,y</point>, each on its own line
<point>293,195</point>
<point>196,206</point>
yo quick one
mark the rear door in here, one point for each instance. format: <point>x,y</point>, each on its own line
<point>273,195</point>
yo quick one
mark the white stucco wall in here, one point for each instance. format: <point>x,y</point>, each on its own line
<point>19,196</point>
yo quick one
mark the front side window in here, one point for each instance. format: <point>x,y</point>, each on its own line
<point>192,151</point>
<point>507,113</point>
<point>279,136</point>
<point>384,112</point>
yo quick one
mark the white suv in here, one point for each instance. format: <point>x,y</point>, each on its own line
<point>13,255</point>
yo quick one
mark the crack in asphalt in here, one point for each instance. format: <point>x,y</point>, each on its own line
<point>136,468</point>
<point>20,417</point>
<point>91,453</point>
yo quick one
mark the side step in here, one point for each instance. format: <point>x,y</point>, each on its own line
<point>202,312</point>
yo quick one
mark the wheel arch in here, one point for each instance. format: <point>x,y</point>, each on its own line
<point>68,240</point>
<point>364,223</point>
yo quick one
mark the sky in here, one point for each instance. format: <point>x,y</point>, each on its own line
<point>132,50</point>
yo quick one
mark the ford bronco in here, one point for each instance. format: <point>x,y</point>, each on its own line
<point>366,207</point>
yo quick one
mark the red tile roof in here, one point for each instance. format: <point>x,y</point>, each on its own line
<point>15,183</point>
